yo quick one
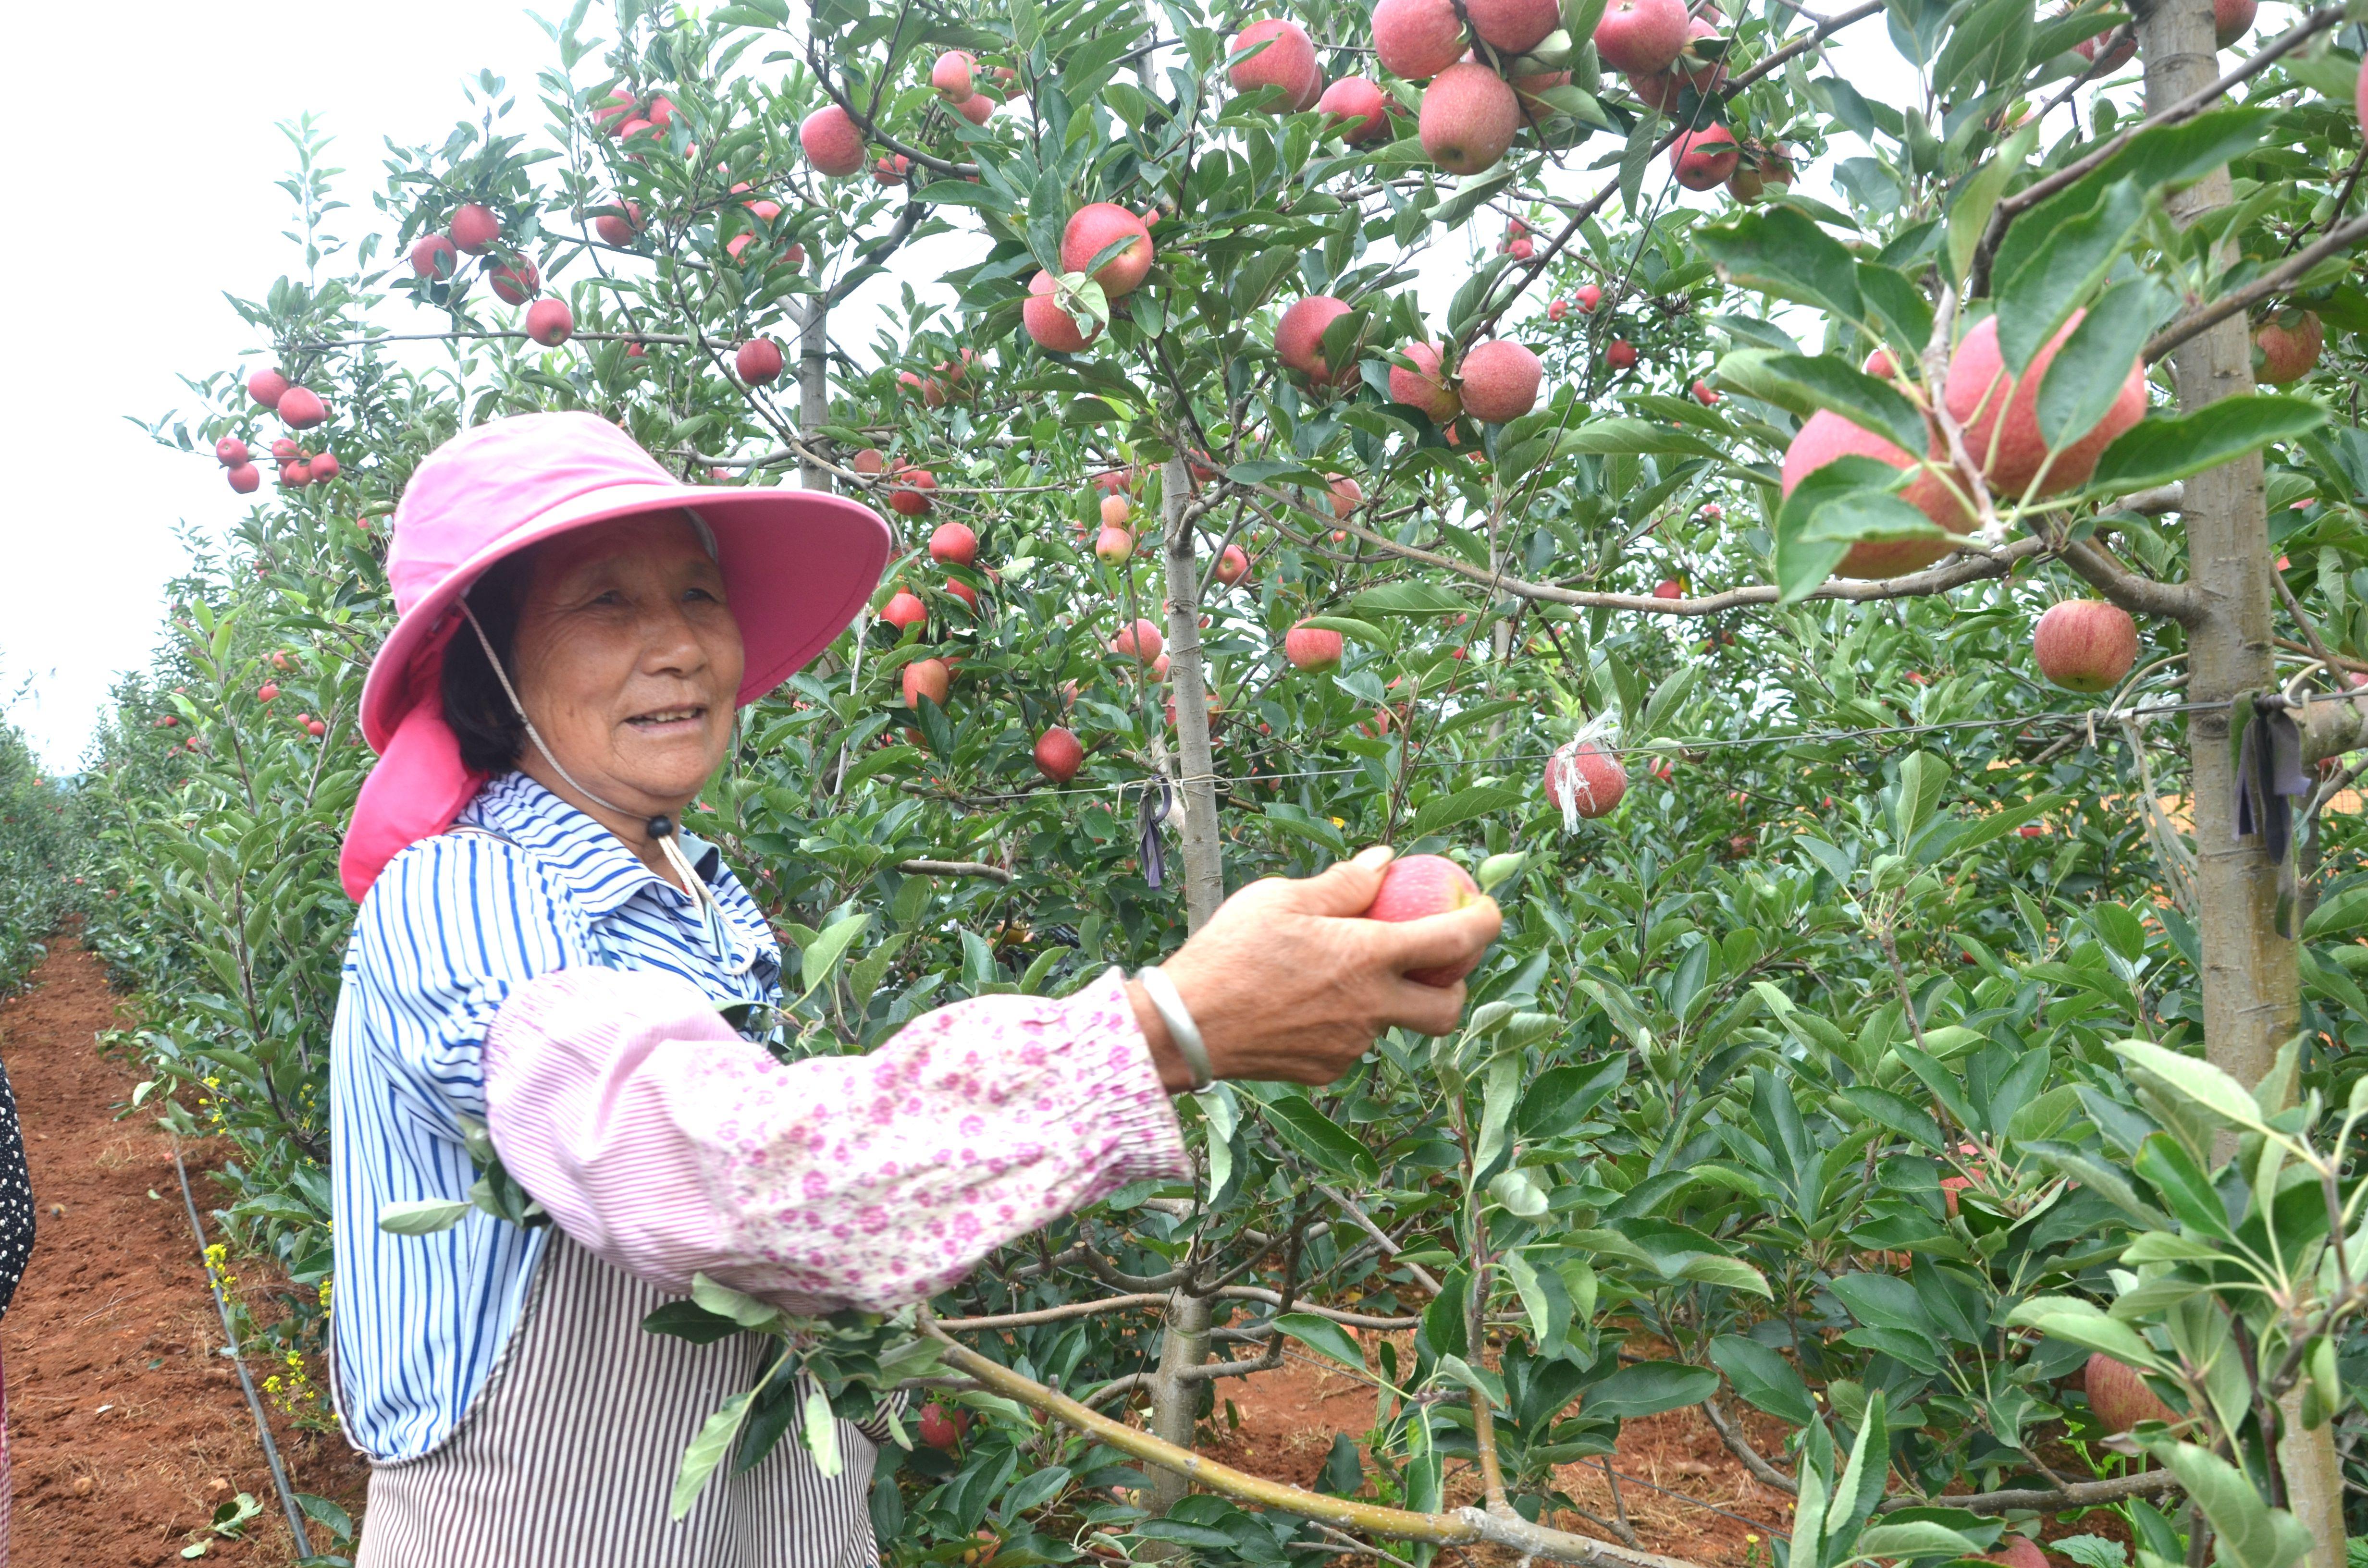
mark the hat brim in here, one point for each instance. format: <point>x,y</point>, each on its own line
<point>799,566</point>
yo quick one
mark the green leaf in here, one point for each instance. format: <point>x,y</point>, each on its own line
<point>2062,270</point>
<point>1781,251</point>
<point>821,1432</point>
<point>1846,500</point>
<point>2087,374</point>
<point>1804,383</point>
<point>1762,1377</point>
<point>1350,626</point>
<point>2207,1085</point>
<point>724,1301</point>
<point>1442,812</point>
<point>1320,1140</point>
<point>706,1451</point>
<point>814,960</point>
<point>2159,450</point>
<point>2083,1323</point>
<point>1969,215</point>
<point>1916,1538</point>
<point>2247,1532</point>
<point>1649,1387</point>
<point>2346,910</point>
<point>1410,598</point>
<point>1323,1337</point>
<point>424,1216</point>
<point>1922,777</point>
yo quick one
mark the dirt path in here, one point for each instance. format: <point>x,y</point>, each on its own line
<point>127,1427</point>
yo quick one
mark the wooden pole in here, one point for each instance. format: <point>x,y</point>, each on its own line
<point>814,389</point>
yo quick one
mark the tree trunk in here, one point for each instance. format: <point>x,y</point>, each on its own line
<point>1174,1401</point>
<point>2251,979</point>
<point>1205,871</point>
<point>813,388</point>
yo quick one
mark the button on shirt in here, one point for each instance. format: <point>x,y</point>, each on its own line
<point>526,886</point>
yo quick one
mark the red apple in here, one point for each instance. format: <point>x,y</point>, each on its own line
<point>2084,644</point>
<point>943,1428</point>
<point>1414,886</point>
<point>474,227</point>
<point>1114,545</point>
<point>978,108</point>
<point>929,678</point>
<point>1499,380</point>
<point>313,728</point>
<point>904,609</point>
<point>963,591</point>
<point>1703,394</point>
<point>951,75</point>
<point>910,498</point>
<point>1233,566</point>
<point>1098,225</point>
<point>549,323</point>
<point>1058,754</point>
<point>1140,642</point>
<point>266,387</point>
<point>229,451</point>
<point>1360,105</point>
<point>1827,436</point>
<point>953,544</point>
<point>1288,61</point>
<point>1640,37</point>
<point>2232,20</point>
<point>1669,588</point>
<point>1558,309</point>
<point>266,692</point>
<point>325,467</point>
<point>2287,345</point>
<point>833,143</point>
<point>1620,354</point>
<point>1759,169</point>
<point>1415,39</point>
<point>1585,779</point>
<point>515,282</point>
<point>871,459</point>
<point>622,228</point>
<point>1299,337</point>
<point>433,255</point>
<point>2016,1551</point>
<point>1703,158</point>
<point>1588,296</point>
<point>1312,648</point>
<point>295,476</point>
<point>1513,27</point>
<point>890,169</point>
<point>1116,511</point>
<point>302,408</point>
<point>244,479</point>
<point>2000,414</point>
<point>1425,388</point>
<point>758,361</point>
<point>2118,1397</point>
<point>1469,118</point>
<point>1054,329</point>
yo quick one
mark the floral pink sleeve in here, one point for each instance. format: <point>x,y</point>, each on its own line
<point>666,1144</point>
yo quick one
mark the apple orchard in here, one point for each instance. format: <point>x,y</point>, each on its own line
<point>1852,524</point>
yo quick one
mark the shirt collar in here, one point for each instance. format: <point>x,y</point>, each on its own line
<point>599,871</point>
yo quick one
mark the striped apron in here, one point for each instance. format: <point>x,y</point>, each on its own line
<point>569,1454</point>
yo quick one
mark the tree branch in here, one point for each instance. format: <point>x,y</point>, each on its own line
<point>2132,590</point>
<point>2031,194</point>
<point>2274,283</point>
<point>954,869</point>
<point>1766,1473</point>
<point>1463,1527</point>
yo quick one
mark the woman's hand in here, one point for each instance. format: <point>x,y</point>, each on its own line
<point>1288,981</point>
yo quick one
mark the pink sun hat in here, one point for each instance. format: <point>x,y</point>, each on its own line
<point>799,566</point>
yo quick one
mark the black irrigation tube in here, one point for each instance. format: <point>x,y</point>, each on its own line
<point>253,1404</point>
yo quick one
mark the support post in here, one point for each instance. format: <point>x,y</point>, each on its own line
<point>1205,871</point>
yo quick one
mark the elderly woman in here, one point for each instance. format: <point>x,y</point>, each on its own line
<point>539,948</point>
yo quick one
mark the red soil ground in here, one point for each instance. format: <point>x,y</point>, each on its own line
<point>126,1424</point>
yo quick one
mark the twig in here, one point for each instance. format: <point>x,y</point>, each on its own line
<point>954,869</point>
<point>1055,1315</point>
<point>1736,1444</point>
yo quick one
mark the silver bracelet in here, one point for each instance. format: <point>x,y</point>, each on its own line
<point>1181,1030</point>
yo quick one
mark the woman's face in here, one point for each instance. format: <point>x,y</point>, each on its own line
<point>627,659</point>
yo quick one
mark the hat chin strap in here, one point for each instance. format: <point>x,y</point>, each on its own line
<point>663,830</point>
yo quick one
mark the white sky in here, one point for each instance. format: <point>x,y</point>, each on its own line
<point>159,199</point>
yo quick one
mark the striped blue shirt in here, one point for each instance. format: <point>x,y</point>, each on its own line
<point>452,923</point>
